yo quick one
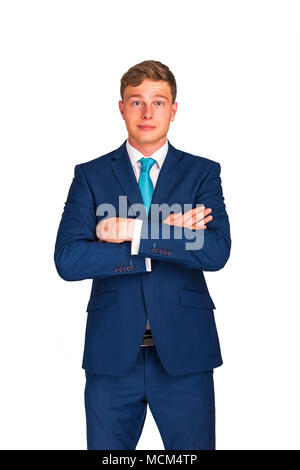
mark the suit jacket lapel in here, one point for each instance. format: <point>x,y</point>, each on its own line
<point>122,168</point>
<point>168,177</point>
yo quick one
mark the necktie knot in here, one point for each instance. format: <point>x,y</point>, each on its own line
<point>147,164</point>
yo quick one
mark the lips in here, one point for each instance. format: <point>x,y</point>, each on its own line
<point>146,128</point>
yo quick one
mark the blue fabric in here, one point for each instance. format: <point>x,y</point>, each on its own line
<point>183,407</point>
<point>174,295</point>
<point>145,181</point>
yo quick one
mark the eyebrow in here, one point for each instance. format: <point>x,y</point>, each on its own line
<point>154,96</point>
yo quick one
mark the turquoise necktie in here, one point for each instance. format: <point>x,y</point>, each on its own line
<point>145,182</point>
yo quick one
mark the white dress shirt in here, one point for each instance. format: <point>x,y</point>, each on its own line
<point>159,157</point>
<point>135,155</point>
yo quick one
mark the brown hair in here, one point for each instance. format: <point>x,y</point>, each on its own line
<point>151,69</point>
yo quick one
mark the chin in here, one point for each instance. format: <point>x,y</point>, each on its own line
<point>148,137</point>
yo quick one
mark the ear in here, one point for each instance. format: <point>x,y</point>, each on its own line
<point>121,103</point>
<point>174,110</point>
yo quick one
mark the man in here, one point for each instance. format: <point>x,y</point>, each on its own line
<point>150,335</point>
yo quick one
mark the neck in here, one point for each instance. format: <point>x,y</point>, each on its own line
<point>147,149</point>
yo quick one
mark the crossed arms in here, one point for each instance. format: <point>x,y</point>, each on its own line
<point>87,250</point>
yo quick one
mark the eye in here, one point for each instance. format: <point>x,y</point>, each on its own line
<point>135,102</point>
<point>161,102</point>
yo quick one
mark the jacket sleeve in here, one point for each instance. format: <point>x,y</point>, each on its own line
<point>212,249</point>
<point>78,253</point>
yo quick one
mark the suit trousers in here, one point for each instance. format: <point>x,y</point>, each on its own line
<point>183,406</point>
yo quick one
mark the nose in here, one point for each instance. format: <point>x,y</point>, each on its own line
<point>147,111</point>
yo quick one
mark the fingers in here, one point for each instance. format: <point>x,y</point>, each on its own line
<point>187,215</point>
<point>113,230</point>
<point>172,218</point>
<point>107,229</point>
<point>101,228</point>
<point>196,217</point>
<point>202,223</point>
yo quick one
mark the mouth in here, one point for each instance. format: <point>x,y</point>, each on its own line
<point>146,128</point>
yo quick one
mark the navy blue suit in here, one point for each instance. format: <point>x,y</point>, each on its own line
<point>173,296</point>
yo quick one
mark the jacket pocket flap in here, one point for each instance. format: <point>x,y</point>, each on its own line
<point>102,300</point>
<point>195,298</point>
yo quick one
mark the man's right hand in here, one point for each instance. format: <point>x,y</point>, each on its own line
<point>194,219</point>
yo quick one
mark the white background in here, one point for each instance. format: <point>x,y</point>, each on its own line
<point>237,69</point>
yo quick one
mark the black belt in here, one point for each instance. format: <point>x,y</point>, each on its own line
<point>148,338</point>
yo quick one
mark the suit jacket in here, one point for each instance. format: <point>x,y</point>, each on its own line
<point>174,295</point>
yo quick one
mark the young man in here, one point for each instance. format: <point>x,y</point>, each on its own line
<point>150,336</point>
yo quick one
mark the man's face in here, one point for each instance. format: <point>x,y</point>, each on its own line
<point>148,110</point>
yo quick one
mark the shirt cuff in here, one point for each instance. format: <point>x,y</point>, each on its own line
<point>136,237</point>
<point>148,264</point>
<point>135,243</point>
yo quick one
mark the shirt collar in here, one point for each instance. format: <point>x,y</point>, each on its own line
<point>159,155</point>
